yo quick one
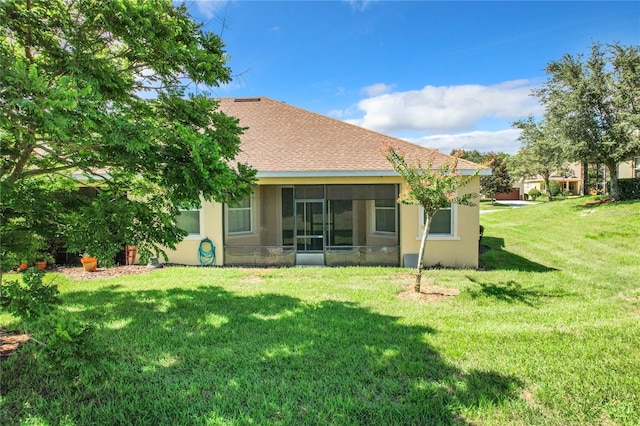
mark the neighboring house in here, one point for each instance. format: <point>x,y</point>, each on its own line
<point>573,180</point>
<point>326,195</point>
<point>514,194</point>
<point>629,169</point>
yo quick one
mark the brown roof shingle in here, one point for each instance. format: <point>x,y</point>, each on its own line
<point>285,139</point>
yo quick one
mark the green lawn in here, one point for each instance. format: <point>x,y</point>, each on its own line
<point>548,333</point>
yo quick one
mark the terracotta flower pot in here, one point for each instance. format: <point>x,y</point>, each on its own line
<point>23,266</point>
<point>41,265</point>
<point>90,263</point>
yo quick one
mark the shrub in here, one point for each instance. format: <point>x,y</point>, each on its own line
<point>554,188</point>
<point>534,193</point>
<point>629,189</point>
<point>69,343</point>
<point>64,342</point>
<point>31,298</point>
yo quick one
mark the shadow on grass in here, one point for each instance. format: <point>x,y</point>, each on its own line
<point>208,356</point>
<point>509,292</point>
<point>496,257</point>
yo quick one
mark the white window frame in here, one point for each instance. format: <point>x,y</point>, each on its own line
<point>375,218</point>
<point>250,209</point>
<point>200,233</point>
<point>454,225</point>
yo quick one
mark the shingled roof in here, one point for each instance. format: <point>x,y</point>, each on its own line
<point>283,140</point>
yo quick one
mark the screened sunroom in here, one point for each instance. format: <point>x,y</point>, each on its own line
<point>329,225</point>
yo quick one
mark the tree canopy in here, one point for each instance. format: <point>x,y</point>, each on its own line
<point>542,152</point>
<point>594,104</point>
<point>500,180</point>
<point>111,95</point>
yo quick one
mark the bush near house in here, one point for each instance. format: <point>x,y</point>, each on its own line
<point>534,193</point>
<point>554,188</point>
<point>629,189</point>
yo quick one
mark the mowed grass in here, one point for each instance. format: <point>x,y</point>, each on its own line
<point>547,333</point>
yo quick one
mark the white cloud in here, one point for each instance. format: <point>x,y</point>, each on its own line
<point>377,89</point>
<point>358,5</point>
<point>209,7</point>
<point>343,114</point>
<point>483,141</point>
<point>442,109</point>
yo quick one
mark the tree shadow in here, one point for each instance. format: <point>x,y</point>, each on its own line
<point>212,356</point>
<point>495,256</point>
<point>510,292</point>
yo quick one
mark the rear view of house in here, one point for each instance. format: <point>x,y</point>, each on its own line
<point>326,195</point>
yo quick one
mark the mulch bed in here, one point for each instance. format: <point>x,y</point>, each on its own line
<point>10,342</point>
<point>428,293</point>
<point>78,273</point>
<point>597,202</point>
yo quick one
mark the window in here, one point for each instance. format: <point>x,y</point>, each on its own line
<point>239,218</point>
<point>189,220</point>
<point>442,222</point>
<point>385,216</point>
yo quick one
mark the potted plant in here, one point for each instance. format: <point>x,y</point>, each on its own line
<point>42,260</point>
<point>89,263</point>
<point>24,265</point>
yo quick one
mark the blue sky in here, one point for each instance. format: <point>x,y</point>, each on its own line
<point>442,74</point>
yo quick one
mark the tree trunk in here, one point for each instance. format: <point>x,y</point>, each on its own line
<point>423,243</point>
<point>613,181</point>
<point>585,178</point>
<point>546,182</point>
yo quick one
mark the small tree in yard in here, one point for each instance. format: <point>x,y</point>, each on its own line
<point>432,188</point>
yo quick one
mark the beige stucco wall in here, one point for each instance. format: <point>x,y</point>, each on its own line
<point>186,252</point>
<point>461,250</point>
<point>625,170</point>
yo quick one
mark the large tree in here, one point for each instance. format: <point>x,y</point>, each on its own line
<point>431,187</point>
<point>112,95</point>
<point>542,152</point>
<point>500,179</point>
<point>595,103</point>
<point>472,155</point>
